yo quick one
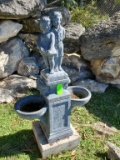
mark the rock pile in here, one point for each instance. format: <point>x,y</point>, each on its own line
<point>100,45</point>
<point>90,55</point>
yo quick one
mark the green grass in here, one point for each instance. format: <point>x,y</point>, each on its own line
<point>17,140</point>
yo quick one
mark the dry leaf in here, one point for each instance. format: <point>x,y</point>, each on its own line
<point>73,152</point>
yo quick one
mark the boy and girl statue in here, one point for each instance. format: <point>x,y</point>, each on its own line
<point>50,42</point>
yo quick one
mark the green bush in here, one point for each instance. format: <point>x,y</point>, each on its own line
<point>87,16</point>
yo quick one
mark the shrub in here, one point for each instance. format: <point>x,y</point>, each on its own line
<point>87,16</point>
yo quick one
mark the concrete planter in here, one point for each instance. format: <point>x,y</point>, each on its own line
<point>79,95</point>
<point>31,107</point>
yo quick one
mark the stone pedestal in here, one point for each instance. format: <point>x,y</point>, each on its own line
<point>56,123</point>
<point>47,83</point>
<point>47,149</point>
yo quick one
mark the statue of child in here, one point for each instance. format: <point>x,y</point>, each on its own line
<point>59,32</point>
<point>46,44</point>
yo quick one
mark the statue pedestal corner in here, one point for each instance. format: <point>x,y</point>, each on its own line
<point>46,149</point>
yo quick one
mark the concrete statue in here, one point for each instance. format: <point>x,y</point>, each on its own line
<point>50,42</point>
<point>46,44</point>
<point>59,32</point>
<point>52,107</point>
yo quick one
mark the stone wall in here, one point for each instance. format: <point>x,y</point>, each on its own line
<point>92,58</point>
<point>100,45</point>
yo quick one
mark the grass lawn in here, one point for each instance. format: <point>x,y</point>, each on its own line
<point>17,140</point>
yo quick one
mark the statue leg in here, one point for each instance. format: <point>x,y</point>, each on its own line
<point>46,63</point>
<point>56,63</point>
<point>60,58</point>
<point>52,64</point>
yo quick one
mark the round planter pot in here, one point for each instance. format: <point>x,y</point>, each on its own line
<point>30,107</point>
<point>79,95</point>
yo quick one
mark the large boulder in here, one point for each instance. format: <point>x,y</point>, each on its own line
<point>30,25</point>
<point>31,40</point>
<point>9,29</point>
<point>11,53</point>
<point>71,41</point>
<point>107,70</point>
<point>17,9</point>
<point>28,66</point>
<point>101,45</point>
<point>73,32</point>
<point>92,85</point>
<point>102,40</point>
<point>76,68</point>
<point>6,96</point>
<point>39,60</point>
<point>18,85</point>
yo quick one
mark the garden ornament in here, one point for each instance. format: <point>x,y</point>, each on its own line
<point>55,101</point>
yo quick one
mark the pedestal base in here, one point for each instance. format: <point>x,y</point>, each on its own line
<point>47,149</point>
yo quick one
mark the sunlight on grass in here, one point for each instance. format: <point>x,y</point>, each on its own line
<point>17,140</point>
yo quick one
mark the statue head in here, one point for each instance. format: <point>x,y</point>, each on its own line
<point>45,24</point>
<point>56,19</point>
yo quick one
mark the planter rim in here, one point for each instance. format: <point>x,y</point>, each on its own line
<point>24,100</point>
<point>80,87</point>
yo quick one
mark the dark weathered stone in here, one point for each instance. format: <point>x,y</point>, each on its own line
<point>18,85</point>
<point>116,85</point>
<point>71,41</point>
<point>73,61</point>
<point>11,53</point>
<point>39,60</point>
<point>101,40</point>
<point>73,32</point>
<point>17,9</point>
<point>28,66</point>
<point>71,48</point>
<point>92,85</point>
<point>9,29</point>
<point>76,68</point>
<point>30,25</point>
<point>30,41</point>
<point>65,13</point>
